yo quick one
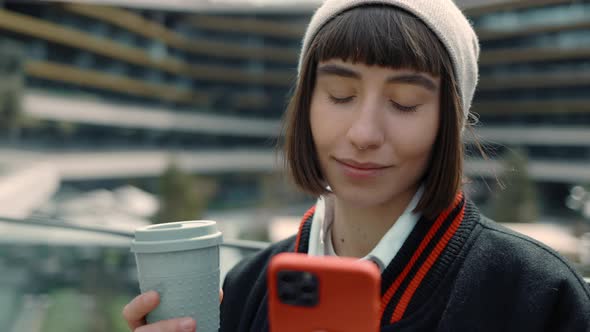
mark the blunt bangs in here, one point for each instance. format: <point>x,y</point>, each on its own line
<point>377,35</point>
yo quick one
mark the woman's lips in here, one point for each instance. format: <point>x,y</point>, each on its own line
<point>360,170</point>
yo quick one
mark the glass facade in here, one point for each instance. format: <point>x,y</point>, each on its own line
<point>179,64</point>
<point>535,73</point>
<point>561,40</point>
<point>225,67</point>
<point>545,16</point>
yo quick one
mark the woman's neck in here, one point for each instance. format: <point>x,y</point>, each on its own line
<point>357,230</point>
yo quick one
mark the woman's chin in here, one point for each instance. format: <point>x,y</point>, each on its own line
<point>358,198</point>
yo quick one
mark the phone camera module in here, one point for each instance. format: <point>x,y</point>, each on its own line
<point>298,288</point>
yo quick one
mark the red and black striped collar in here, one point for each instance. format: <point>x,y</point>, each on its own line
<point>422,261</point>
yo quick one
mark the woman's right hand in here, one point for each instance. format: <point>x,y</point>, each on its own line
<point>136,310</point>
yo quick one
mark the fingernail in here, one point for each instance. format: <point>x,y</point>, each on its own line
<point>147,297</point>
<point>187,325</point>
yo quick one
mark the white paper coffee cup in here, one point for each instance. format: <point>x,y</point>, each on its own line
<point>180,260</point>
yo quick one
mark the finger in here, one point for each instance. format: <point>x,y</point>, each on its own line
<point>220,295</point>
<point>171,325</point>
<point>136,310</point>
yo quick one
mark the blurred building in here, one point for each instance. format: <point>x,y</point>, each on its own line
<point>534,91</point>
<point>115,91</point>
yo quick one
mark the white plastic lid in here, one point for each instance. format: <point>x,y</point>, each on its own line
<point>176,236</point>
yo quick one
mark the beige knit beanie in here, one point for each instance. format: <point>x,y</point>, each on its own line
<point>443,17</point>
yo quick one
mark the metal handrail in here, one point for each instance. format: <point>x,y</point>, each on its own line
<point>246,245</point>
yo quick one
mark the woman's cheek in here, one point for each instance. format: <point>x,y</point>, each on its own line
<point>413,139</point>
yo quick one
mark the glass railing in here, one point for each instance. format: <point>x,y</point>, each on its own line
<point>60,277</point>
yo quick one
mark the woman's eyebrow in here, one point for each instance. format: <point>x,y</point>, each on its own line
<point>332,69</point>
<point>414,79</point>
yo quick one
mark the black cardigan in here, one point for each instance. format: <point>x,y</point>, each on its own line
<point>460,272</point>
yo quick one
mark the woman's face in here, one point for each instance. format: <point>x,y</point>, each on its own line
<point>374,129</point>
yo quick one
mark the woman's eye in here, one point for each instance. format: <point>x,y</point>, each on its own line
<point>404,108</point>
<point>344,100</point>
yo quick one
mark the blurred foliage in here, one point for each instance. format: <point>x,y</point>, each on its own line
<point>110,307</point>
<point>68,311</point>
<point>10,303</point>
<point>183,196</point>
<point>255,233</point>
<point>66,129</point>
<point>270,186</point>
<point>31,122</point>
<point>276,191</point>
<point>517,202</point>
<point>11,88</point>
<point>578,200</point>
<point>83,289</point>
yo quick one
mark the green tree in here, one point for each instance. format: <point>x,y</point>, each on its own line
<point>11,88</point>
<point>276,191</point>
<point>517,202</point>
<point>183,196</point>
<point>270,187</point>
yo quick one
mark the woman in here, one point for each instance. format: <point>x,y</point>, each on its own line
<point>374,129</point>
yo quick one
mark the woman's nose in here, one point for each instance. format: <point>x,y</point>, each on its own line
<point>366,129</point>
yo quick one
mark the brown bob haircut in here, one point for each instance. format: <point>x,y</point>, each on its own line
<point>389,37</point>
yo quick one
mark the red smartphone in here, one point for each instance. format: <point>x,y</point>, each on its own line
<point>323,294</point>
